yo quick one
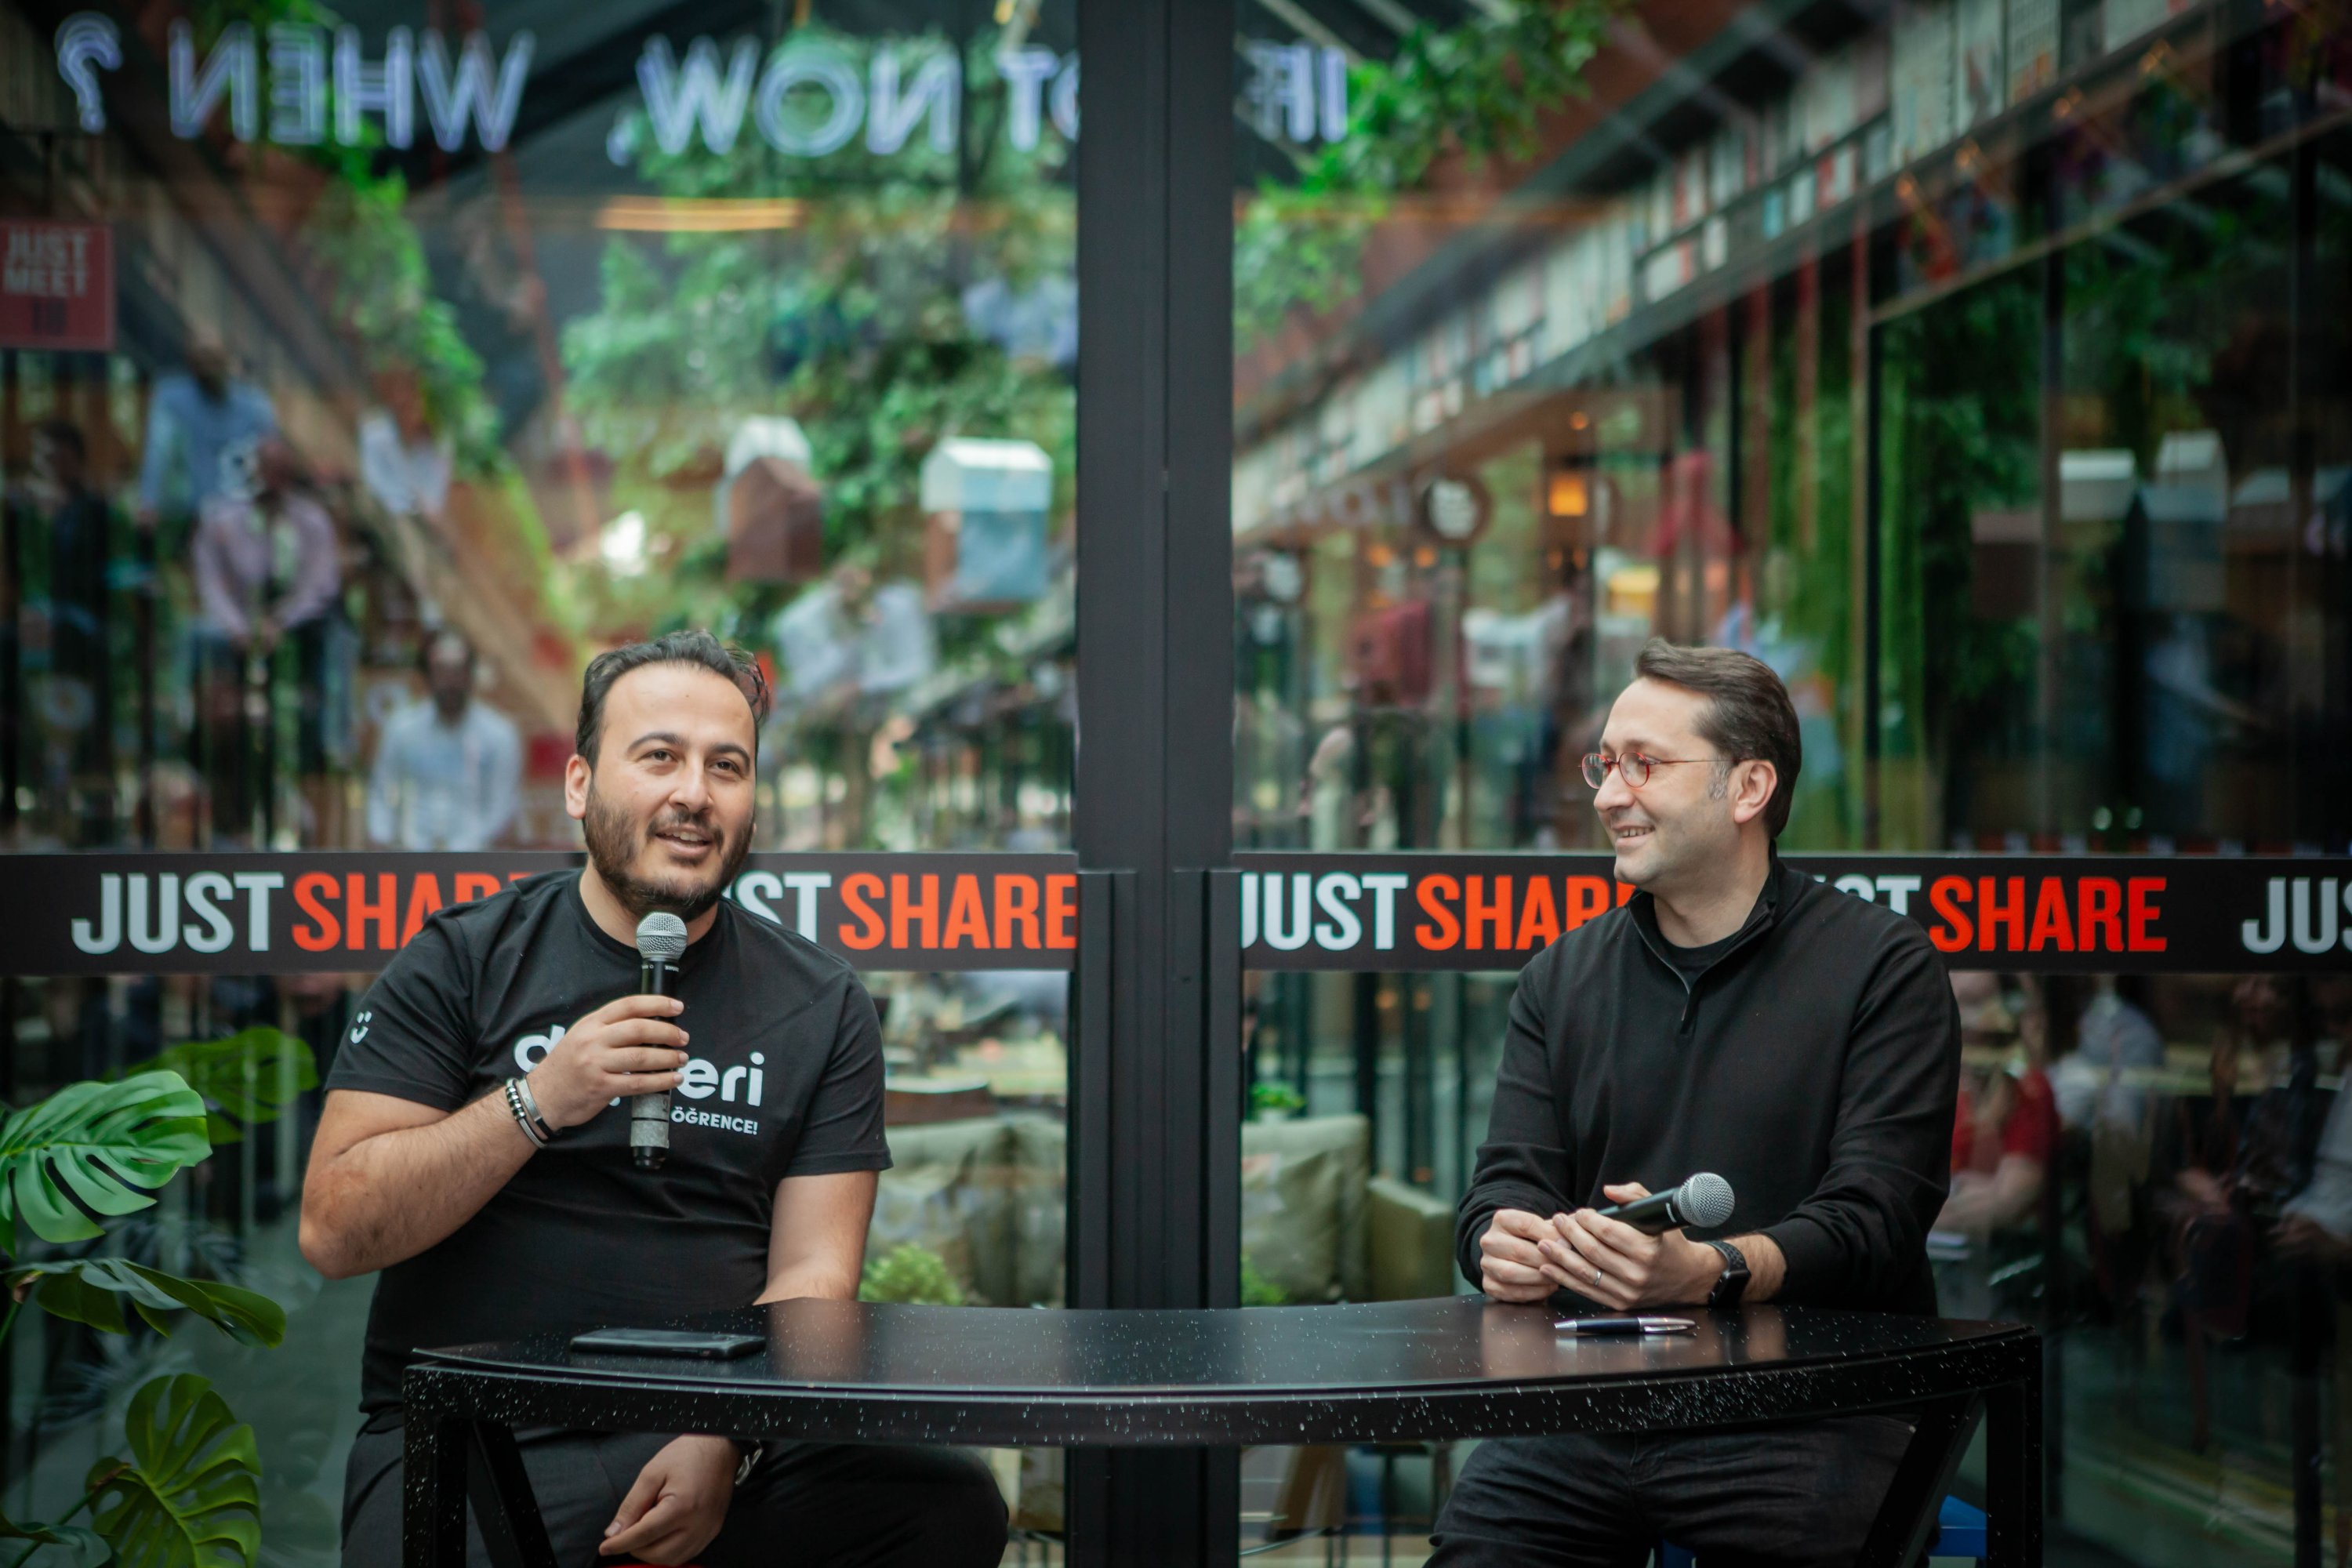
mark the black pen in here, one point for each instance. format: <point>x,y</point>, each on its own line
<point>1625,1325</point>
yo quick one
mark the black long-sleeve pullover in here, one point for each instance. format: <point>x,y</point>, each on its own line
<point>1814,1065</point>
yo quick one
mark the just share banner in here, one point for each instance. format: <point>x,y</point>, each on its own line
<point>103,913</point>
<point>2090,914</point>
<point>291,912</point>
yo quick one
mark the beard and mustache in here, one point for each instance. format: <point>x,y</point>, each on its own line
<point>616,839</point>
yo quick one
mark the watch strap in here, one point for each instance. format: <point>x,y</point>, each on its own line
<point>1732,1283</point>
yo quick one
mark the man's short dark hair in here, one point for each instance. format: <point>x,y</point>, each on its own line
<point>695,647</point>
<point>1749,716</point>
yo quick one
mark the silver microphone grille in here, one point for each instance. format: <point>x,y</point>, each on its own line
<point>1705,1197</point>
<point>661,937</point>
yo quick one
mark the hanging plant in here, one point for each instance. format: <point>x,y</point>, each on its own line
<point>1480,90</point>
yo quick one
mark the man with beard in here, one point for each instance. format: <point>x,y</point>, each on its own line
<point>497,1212</point>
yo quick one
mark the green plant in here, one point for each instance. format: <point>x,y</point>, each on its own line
<point>378,285</point>
<point>1276,1097</point>
<point>849,317</point>
<point>912,1275</point>
<point>186,1492</point>
<point>1480,89</point>
<point>247,1078</point>
<point>1257,1291</point>
<point>190,1491</point>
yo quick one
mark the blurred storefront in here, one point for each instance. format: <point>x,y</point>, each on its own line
<point>1981,369</point>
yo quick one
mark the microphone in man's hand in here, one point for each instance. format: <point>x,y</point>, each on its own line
<point>1702,1202</point>
<point>661,941</point>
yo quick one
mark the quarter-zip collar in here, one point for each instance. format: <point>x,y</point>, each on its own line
<point>1643,910</point>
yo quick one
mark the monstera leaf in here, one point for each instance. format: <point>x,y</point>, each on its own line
<point>93,1289</point>
<point>242,1078</point>
<point>109,1145</point>
<point>83,1547</point>
<point>189,1495</point>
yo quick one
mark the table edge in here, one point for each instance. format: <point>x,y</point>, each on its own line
<point>1106,1416</point>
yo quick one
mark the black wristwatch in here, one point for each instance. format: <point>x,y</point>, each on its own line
<point>1732,1283</point>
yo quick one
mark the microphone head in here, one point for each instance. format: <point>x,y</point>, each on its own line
<point>1704,1200</point>
<point>661,938</point>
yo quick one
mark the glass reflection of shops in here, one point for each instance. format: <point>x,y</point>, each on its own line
<point>2004,416</point>
<point>313,557</point>
<point>2019,453</point>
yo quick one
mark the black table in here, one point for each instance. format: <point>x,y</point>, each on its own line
<point>1451,1367</point>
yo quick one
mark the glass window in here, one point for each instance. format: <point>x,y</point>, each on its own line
<point>362,376</point>
<point>1978,365</point>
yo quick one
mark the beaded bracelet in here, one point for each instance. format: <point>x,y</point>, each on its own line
<point>523,1118</point>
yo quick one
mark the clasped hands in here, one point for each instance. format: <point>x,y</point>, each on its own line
<point>1523,1256</point>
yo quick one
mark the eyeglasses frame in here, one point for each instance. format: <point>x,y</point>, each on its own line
<point>1650,765</point>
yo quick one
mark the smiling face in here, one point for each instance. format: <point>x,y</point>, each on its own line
<point>1682,825</point>
<point>666,807</point>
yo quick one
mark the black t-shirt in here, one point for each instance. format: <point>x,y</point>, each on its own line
<point>785,1079</point>
<point>1691,962</point>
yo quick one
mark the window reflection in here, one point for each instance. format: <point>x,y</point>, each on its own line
<point>427,355</point>
<point>478,354</point>
<point>1976,365</point>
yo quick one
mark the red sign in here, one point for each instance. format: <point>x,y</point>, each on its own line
<point>57,286</point>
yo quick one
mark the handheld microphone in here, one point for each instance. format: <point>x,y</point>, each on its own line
<point>661,941</point>
<point>1703,1201</point>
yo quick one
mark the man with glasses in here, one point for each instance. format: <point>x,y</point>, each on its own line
<point>1735,1017</point>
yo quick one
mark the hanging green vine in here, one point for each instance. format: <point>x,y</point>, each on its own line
<point>380,289</point>
<point>848,317</point>
<point>1480,89</point>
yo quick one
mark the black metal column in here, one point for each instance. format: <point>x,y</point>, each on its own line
<point>1155,722</point>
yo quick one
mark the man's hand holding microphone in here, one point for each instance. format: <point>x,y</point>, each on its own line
<point>628,1046</point>
<point>1632,1254</point>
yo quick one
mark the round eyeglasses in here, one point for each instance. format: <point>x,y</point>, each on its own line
<point>1632,766</point>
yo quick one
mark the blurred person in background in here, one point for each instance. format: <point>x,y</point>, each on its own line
<point>404,464</point>
<point>2117,1045</point>
<point>2262,1029</point>
<point>2331,1009</point>
<point>2105,1089</point>
<point>201,424</point>
<point>2239,1167</point>
<point>448,765</point>
<point>2315,1229</point>
<point>1570,720</point>
<point>75,704</point>
<point>265,562</point>
<point>2006,1132</point>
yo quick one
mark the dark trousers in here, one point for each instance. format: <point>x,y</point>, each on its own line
<point>805,1505</point>
<point>1796,1495</point>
